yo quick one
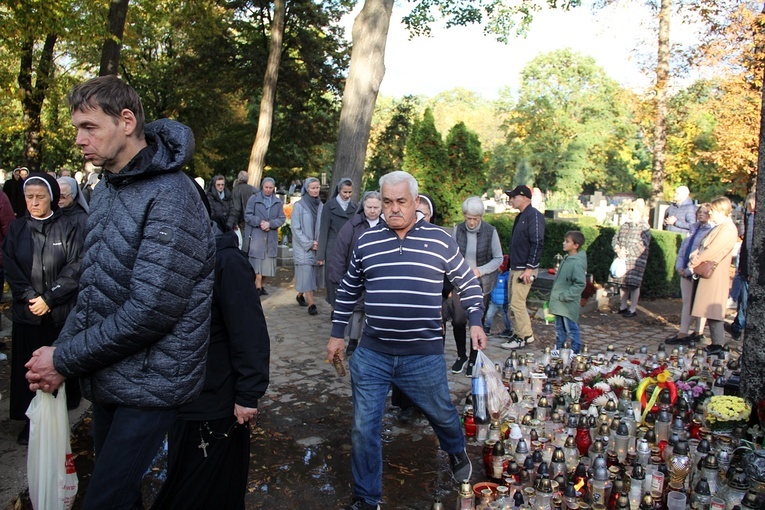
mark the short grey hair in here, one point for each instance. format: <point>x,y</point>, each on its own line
<point>473,206</point>
<point>397,177</point>
<point>370,194</point>
<point>243,176</point>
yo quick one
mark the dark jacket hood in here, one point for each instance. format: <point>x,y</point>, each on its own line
<point>225,239</point>
<point>170,147</point>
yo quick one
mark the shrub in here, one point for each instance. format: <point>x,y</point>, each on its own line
<point>660,278</point>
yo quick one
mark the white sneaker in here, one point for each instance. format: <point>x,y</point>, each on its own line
<point>731,304</point>
<point>513,343</point>
<point>529,339</point>
<point>555,353</point>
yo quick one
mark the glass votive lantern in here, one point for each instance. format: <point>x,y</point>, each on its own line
<point>622,437</point>
<point>537,383</point>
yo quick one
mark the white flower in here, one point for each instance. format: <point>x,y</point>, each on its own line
<point>600,401</point>
<point>617,380</point>
<point>603,386</point>
<point>572,389</point>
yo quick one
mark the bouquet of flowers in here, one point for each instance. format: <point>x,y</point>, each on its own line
<point>601,383</point>
<point>725,412</point>
<point>286,229</point>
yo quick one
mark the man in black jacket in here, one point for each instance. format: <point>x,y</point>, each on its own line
<point>526,243</point>
<point>138,335</point>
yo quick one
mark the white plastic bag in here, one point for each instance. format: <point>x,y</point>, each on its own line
<point>618,267</point>
<point>50,465</point>
<point>497,397</point>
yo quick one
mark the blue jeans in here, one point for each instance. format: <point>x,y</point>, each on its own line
<point>566,327</point>
<point>492,311</point>
<point>125,440</point>
<point>423,379</point>
<point>739,323</point>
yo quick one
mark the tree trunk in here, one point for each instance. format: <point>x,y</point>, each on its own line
<point>110,54</point>
<point>370,34</point>
<point>753,352</point>
<point>265,119</point>
<point>33,96</point>
<point>660,122</point>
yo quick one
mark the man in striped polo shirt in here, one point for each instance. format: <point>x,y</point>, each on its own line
<point>399,266</point>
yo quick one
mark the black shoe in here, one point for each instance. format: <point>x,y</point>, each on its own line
<point>676,340</point>
<point>459,365</point>
<point>469,369</point>
<point>622,311</point>
<point>312,310</point>
<point>462,469</point>
<point>23,438</point>
<point>628,313</point>
<point>733,332</point>
<point>301,300</point>
<point>406,415</point>
<point>263,291</point>
<point>714,349</point>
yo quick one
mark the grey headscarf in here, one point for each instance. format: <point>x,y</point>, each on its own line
<point>311,202</point>
<point>78,197</point>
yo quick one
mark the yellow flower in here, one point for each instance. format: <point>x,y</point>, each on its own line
<point>727,408</point>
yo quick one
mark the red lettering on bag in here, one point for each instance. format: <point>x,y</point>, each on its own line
<point>69,463</point>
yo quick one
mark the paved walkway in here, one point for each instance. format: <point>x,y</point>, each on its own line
<point>305,393</point>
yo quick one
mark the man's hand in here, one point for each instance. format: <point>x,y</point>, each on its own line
<point>335,346</point>
<point>526,276</point>
<point>477,273</point>
<point>670,220</point>
<point>245,414</point>
<point>478,337</point>
<point>38,306</point>
<point>42,375</point>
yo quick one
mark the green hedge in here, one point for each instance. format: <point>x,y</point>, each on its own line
<point>660,279</point>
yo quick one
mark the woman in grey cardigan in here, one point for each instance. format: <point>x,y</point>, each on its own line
<point>263,216</point>
<point>305,243</point>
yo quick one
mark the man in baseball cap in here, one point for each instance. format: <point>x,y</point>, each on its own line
<point>526,243</point>
<point>521,190</point>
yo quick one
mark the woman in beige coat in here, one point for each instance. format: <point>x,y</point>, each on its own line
<point>712,293</point>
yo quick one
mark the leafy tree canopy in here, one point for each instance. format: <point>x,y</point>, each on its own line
<point>568,122</point>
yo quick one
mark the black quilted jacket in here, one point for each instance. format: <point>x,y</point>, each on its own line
<point>138,334</point>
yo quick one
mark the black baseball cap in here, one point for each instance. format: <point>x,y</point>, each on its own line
<point>519,190</point>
